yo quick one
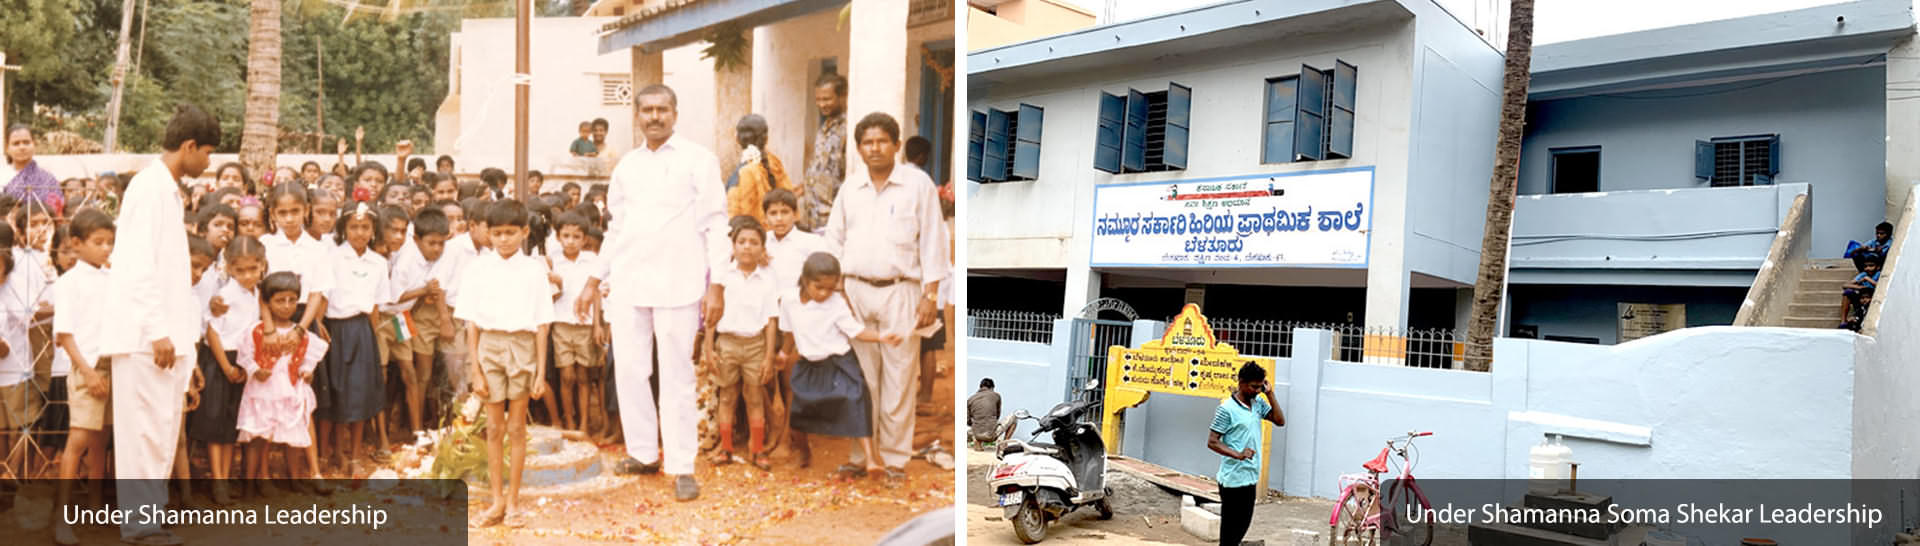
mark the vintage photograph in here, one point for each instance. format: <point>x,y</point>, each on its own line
<point>448,271</point>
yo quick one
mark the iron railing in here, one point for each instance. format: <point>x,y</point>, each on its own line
<point>1024,326</point>
<point>1425,348</point>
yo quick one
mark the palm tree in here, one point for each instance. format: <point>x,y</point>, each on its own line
<point>260,136</point>
<point>1506,172</point>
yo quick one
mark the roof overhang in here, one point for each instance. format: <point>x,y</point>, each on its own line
<point>1813,39</point>
<point>1156,39</point>
<point>691,22</point>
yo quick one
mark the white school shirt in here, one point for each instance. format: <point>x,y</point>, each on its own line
<point>822,328</point>
<point>203,293</point>
<point>78,310</point>
<point>359,282</point>
<point>452,264</point>
<point>898,232</point>
<point>751,300</point>
<point>787,255</point>
<point>243,311</point>
<point>409,272</point>
<point>16,314</point>
<point>669,225</point>
<point>573,278</point>
<point>307,257</point>
<point>514,296</point>
<point>150,283</point>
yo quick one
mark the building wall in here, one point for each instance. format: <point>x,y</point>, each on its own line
<point>566,91</point>
<point>1021,20</point>
<point>1458,78</point>
<point>786,62</point>
<point>1591,311</point>
<point>1831,127</point>
<point>1028,225</point>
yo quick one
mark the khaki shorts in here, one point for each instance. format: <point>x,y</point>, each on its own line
<point>507,361</point>
<point>573,345</point>
<point>83,410</point>
<point>18,405</point>
<point>740,357</point>
<point>391,350</point>
<point>426,322</point>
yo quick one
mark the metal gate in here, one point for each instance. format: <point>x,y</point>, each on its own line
<point>1091,338</point>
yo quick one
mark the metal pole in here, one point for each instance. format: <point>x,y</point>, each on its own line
<point>320,105</point>
<point>119,76</point>
<point>523,14</point>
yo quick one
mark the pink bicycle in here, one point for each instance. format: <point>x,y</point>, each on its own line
<point>1363,515</point>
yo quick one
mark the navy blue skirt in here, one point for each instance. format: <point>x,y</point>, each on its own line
<point>830,398</point>
<point>355,385</point>
<point>214,422</point>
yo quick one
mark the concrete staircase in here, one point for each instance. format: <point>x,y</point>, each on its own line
<point>1816,301</point>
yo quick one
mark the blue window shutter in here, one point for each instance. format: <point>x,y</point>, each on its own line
<point>993,161</point>
<point>1278,143</point>
<point>1026,147</point>
<point>976,136</point>
<point>1106,137</point>
<point>1773,155</point>
<point>1133,142</point>
<point>1340,119</point>
<point>1179,117</point>
<point>1703,160</point>
<point>1310,103</point>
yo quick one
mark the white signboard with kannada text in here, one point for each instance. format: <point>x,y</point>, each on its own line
<point>1317,218</point>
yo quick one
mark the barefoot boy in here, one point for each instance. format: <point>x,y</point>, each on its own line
<point>88,394</point>
<point>507,329</point>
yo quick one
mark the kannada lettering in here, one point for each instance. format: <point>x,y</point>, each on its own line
<point>1246,224</point>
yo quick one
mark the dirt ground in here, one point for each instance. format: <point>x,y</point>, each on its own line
<point>740,504</point>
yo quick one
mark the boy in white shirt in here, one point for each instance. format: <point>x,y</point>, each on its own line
<point>422,300</point>
<point>507,336</point>
<point>787,248</point>
<point>88,388</point>
<point>739,346</point>
<point>573,339</point>
<point>460,250</point>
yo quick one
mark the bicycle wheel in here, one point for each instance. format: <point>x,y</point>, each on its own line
<point>1349,526</point>
<point>1404,496</point>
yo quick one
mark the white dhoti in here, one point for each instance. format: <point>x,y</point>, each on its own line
<point>147,404</point>
<point>675,426</point>
<point>890,370</point>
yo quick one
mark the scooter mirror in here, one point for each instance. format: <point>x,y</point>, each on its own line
<point>1093,385</point>
<point>1021,414</point>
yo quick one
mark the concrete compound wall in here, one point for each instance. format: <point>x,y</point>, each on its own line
<point>1709,402</point>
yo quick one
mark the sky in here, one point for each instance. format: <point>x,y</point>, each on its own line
<point>1554,20</point>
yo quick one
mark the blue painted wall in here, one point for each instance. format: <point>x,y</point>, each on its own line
<point>1832,128</point>
<point>1588,311</point>
<point>1456,109</point>
<point>1023,373</point>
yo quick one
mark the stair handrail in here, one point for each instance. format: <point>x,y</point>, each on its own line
<point>1903,227</point>
<point>1770,295</point>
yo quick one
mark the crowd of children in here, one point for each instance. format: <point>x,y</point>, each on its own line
<point>332,312</point>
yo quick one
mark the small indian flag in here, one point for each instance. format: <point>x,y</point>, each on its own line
<point>403,326</point>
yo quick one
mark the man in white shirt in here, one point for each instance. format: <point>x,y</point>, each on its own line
<point>887,225</point>
<point>150,335</point>
<point>667,200</point>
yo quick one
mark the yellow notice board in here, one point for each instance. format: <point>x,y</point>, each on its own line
<point>1188,360</point>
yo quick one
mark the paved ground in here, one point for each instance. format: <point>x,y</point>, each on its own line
<point>1143,514</point>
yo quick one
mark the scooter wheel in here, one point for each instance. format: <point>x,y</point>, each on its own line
<point>1030,525</point>
<point>1105,508</point>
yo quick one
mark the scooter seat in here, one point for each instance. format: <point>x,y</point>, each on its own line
<point>1379,462</point>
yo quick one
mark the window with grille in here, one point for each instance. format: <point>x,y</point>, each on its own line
<point>1737,161</point>
<point>1004,145</point>
<point>1309,116</point>
<point>616,89</point>
<point>1144,131</point>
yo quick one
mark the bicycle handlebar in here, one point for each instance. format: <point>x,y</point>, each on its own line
<point>1422,434</point>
